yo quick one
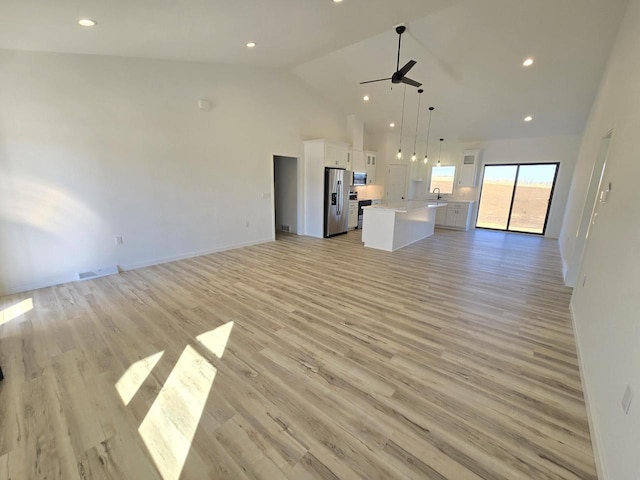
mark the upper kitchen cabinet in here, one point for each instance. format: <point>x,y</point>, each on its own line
<point>337,154</point>
<point>468,171</point>
<point>370,167</point>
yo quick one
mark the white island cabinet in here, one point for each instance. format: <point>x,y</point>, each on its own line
<point>393,226</point>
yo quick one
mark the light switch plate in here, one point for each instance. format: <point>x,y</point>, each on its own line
<point>626,399</point>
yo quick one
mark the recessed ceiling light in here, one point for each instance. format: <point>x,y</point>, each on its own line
<point>251,44</point>
<point>392,125</point>
<point>87,22</point>
<point>528,118</point>
<point>337,1</point>
<point>528,62</point>
<point>365,98</point>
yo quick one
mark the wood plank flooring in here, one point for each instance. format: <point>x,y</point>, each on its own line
<point>452,358</point>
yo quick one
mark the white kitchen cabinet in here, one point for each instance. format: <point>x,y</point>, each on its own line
<point>371,158</point>
<point>337,155</point>
<point>319,154</point>
<point>353,213</point>
<point>468,171</point>
<point>456,215</point>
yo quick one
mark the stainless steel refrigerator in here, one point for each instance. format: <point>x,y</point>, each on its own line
<point>336,201</point>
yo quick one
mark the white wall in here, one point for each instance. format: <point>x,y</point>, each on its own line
<point>92,147</point>
<point>606,310</point>
<point>286,192</point>
<point>563,149</point>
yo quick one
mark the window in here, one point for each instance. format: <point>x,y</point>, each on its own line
<point>442,178</point>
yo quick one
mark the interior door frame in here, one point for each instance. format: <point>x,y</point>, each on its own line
<point>513,195</point>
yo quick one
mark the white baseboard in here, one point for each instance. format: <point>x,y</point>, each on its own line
<point>50,282</point>
<point>601,468</point>
<point>73,277</point>
<point>184,256</point>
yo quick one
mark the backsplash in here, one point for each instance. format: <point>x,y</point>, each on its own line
<point>370,191</point>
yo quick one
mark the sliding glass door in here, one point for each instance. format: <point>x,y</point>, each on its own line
<point>517,197</point>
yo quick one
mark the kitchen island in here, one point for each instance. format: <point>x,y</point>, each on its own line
<point>393,226</point>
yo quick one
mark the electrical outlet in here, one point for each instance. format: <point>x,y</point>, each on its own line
<point>626,399</point>
<point>246,224</point>
<point>118,240</point>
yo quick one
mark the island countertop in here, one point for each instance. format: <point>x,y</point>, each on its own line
<point>408,205</point>
<point>396,225</point>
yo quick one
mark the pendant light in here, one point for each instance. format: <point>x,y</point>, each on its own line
<point>415,140</point>
<point>426,152</point>
<point>404,96</point>
<point>439,156</point>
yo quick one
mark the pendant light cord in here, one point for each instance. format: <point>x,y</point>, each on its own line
<point>404,96</point>
<point>415,142</point>
<point>426,152</point>
<point>440,155</point>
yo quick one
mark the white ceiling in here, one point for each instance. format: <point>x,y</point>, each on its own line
<point>470,62</point>
<point>469,52</point>
<point>287,31</point>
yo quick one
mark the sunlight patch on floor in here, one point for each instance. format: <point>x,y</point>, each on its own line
<point>16,310</point>
<point>131,380</point>
<point>172,421</point>
<point>216,340</point>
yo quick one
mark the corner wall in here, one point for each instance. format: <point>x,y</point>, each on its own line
<point>93,147</point>
<point>606,310</point>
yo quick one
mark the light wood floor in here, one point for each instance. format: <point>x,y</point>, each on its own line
<point>450,359</point>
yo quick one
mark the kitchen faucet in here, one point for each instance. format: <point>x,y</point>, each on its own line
<point>434,191</point>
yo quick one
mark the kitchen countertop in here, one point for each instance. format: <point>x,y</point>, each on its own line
<point>445,200</point>
<point>408,205</point>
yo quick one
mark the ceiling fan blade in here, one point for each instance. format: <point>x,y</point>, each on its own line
<point>408,81</point>
<point>399,46</point>
<point>409,65</point>
<point>374,81</point>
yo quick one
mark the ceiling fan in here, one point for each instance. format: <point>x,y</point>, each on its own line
<point>399,75</point>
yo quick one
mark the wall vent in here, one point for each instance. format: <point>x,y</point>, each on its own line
<point>100,272</point>
<point>285,228</point>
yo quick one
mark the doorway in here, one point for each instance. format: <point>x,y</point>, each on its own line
<point>517,197</point>
<point>285,188</point>
<point>589,212</point>
<point>396,183</point>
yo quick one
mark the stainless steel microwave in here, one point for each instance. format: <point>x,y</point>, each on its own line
<point>359,178</point>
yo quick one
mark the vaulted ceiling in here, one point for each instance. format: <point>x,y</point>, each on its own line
<point>470,57</point>
<point>469,52</point>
